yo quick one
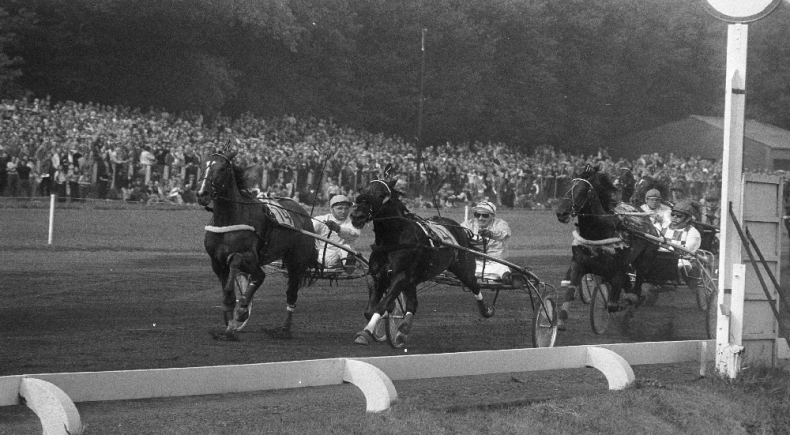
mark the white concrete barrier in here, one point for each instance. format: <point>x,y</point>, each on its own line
<point>53,407</point>
<point>373,376</point>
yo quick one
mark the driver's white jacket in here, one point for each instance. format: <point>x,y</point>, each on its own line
<point>346,237</point>
<point>495,246</point>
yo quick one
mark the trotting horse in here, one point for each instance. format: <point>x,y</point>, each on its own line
<point>244,236</point>
<point>404,256</point>
<point>606,244</point>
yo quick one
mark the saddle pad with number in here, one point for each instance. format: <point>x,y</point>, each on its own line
<point>280,215</point>
<point>436,232</point>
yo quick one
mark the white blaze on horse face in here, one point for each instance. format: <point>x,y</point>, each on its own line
<point>204,179</point>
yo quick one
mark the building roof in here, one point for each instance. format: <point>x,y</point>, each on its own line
<point>695,135</point>
<point>766,134</point>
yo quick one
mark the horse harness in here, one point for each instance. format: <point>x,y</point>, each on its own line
<point>437,237</point>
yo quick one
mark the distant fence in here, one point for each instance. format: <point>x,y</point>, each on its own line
<point>287,182</point>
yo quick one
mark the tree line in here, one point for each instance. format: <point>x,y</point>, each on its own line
<point>567,73</point>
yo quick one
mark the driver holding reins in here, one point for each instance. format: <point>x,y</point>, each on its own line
<point>493,233</point>
<point>681,232</point>
<point>336,226</point>
<point>658,212</point>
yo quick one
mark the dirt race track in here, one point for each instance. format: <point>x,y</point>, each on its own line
<point>133,289</point>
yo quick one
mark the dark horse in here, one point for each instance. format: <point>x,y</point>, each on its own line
<point>605,244</point>
<point>404,256</point>
<point>626,182</point>
<point>644,184</point>
<point>244,236</point>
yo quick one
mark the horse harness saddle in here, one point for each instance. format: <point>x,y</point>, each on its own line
<point>438,237</point>
<point>276,213</point>
<point>437,234</point>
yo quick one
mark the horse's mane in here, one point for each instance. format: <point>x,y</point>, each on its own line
<point>239,175</point>
<point>607,191</point>
<point>395,198</point>
<point>662,185</point>
<point>626,176</point>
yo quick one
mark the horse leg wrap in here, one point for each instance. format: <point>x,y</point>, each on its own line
<point>288,321</point>
<point>405,328</point>
<point>570,294</point>
<point>374,320</point>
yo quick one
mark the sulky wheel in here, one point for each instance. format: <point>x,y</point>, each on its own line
<point>544,323</point>
<point>239,286</point>
<point>380,333</point>
<point>354,268</point>
<point>711,315</point>
<point>704,294</point>
<point>589,281</point>
<point>393,320</point>
<point>599,310</point>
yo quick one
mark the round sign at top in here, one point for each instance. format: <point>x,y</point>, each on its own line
<point>740,11</point>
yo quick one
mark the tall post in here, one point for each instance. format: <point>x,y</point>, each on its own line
<point>51,218</point>
<point>422,100</point>
<point>737,13</point>
<point>732,165</point>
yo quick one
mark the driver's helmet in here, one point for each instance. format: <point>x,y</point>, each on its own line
<point>685,208</point>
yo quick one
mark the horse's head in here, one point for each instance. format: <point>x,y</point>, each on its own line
<point>371,199</point>
<point>217,178</point>
<point>625,181</point>
<point>594,193</point>
<point>576,198</point>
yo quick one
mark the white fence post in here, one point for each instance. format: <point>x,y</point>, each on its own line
<point>51,217</point>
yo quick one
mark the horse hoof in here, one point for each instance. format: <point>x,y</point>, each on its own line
<point>400,339</point>
<point>630,298</point>
<point>224,335</point>
<point>486,312</point>
<point>364,337</point>
<point>561,325</point>
<point>242,316</point>
<point>403,334</point>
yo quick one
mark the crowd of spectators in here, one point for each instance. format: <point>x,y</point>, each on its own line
<point>85,150</point>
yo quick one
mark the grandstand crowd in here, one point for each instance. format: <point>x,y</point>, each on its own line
<point>84,150</point>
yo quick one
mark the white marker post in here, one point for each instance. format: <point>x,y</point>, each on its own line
<point>737,13</point>
<point>51,217</point>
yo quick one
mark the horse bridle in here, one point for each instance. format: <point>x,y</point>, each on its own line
<point>214,185</point>
<point>569,196</point>
<point>387,197</point>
